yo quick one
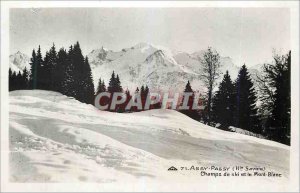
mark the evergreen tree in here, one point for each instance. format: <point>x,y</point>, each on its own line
<point>60,70</point>
<point>112,83</point>
<point>77,61</point>
<point>146,90</point>
<point>144,95</point>
<point>79,70</point>
<point>33,71</point>
<point>142,90</point>
<point>10,80</point>
<point>278,78</point>
<point>87,84</point>
<point>44,73</point>
<point>14,81</point>
<point>40,72</point>
<point>137,90</point>
<point>68,73</point>
<point>69,84</point>
<point>19,81</point>
<point>246,112</point>
<point>52,69</point>
<point>118,84</point>
<point>25,76</point>
<point>101,87</point>
<point>188,88</point>
<point>193,113</point>
<point>115,86</point>
<point>77,79</point>
<point>224,103</point>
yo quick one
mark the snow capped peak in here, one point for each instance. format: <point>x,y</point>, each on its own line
<point>19,54</point>
<point>104,49</point>
<point>161,56</point>
<point>154,65</point>
<point>142,45</point>
<point>18,61</point>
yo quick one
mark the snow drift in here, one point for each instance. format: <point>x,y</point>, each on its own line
<point>54,138</point>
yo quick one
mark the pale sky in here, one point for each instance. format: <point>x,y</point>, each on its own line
<point>247,35</point>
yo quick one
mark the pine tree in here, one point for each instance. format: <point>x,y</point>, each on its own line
<point>33,71</point>
<point>25,76</point>
<point>14,81</point>
<point>279,121</point>
<point>246,112</point>
<point>77,79</point>
<point>52,69</point>
<point>69,84</point>
<point>224,103</point>
<point>144,95</point>
<point>44,73</point>
<point>142,90</point>
<point>137,90</point>
<point>112,83</point>
<point>115,86</point>
<point>193,113</point>
<point>118,84</point>
<point>101,87</point>
<point>10,80</point>
<point>146,90</point>
<point>19,81</point>
<point>40,72</point>
<point>62,63</point>
<point>78,72</point>
<point>87,84</point>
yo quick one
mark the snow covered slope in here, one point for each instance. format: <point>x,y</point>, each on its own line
<point>18,61</point>
<point>54,138</point>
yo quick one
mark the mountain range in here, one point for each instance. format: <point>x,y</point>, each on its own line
<point>160,68</point>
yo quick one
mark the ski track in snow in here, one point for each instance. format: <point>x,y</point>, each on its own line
<point>54,138</point>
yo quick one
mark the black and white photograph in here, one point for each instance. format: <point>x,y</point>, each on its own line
<point>160,96</point>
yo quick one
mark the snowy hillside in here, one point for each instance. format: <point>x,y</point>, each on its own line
<point>18,61</point>
<point>58,139</point>
<point>155,66</point>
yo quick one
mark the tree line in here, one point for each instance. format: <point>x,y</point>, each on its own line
<point>18,80</point>
<point>67,72</point>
